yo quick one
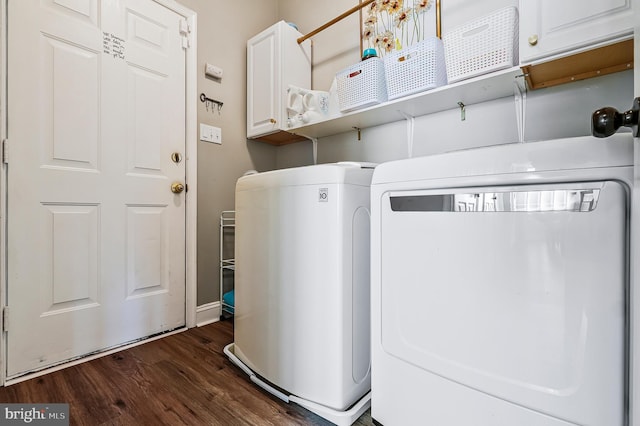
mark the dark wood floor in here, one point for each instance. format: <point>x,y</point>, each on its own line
<point>183,379</point>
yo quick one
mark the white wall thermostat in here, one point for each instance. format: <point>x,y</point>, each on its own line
<point>212,71</point>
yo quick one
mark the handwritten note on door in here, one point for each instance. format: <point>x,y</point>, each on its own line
<point>113,45</point>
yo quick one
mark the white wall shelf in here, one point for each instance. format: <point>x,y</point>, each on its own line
<point>484,88</point>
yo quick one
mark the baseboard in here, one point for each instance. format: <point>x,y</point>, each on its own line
<point>207,313</point>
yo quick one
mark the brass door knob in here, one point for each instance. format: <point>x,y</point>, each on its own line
<point>533,39</point>
<point>177,187</point>
<point>272,121</point>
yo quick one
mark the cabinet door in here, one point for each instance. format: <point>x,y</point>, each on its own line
<point>549,27</point>
<point>263,82</point>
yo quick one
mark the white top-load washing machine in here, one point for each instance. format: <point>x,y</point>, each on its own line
<point>500,282</point>
<point>302,285</point>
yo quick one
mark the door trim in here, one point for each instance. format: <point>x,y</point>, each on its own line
<point>191,158</point>
<point>3,182</point>
<point>634,358</point>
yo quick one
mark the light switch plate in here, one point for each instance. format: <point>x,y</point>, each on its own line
<point>216,133</point>
<point>210,133</point>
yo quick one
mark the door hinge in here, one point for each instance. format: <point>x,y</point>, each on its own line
<point>5,318</point>
<point>185,42</point>
<point>185,30</point>
<point>5,151</point>
<point>184,27</point>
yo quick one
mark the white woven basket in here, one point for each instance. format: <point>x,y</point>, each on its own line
<point>361,85</point>
<point>415,68</point>
<point>483,45</point>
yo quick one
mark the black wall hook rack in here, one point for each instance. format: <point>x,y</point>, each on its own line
<point>208,101</point>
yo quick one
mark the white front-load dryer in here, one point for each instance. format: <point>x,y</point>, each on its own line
<point>500,281</point>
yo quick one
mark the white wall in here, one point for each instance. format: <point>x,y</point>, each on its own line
<point>223,31</point>
<point>334,48</point>
<point>562,111</point>
<point>224,28</point>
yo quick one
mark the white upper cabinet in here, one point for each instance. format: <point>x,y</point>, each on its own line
<point>275,60</point>
<point>551,27</point>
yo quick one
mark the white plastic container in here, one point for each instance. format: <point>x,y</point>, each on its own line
<point>302,281</point>
<point>361,85</point>
<point>486,44</point>
<point>415,68</point>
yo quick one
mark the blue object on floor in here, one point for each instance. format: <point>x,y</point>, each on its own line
<point>228,299</point>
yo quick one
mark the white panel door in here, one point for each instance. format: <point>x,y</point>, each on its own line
<point>96,237</point>
<point>263,82</point>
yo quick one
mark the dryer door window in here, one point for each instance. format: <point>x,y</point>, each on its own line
<point>518,292</point>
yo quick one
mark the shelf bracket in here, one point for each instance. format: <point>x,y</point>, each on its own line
<point>359,130</point>
<point>520,100</point>
<point>463,111</point>
<point>411,122</point>
<point>314,144</point>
